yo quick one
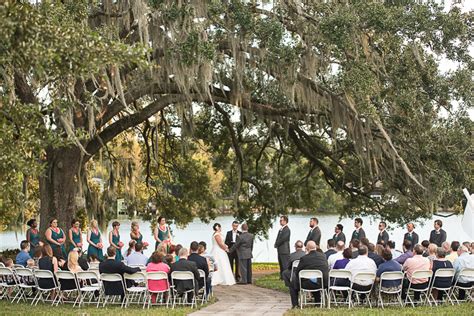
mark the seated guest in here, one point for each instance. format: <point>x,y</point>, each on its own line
<point>331,248</point>
<point>201,263</point>
<point>72,265</point>
<point>30,264</point>
<point>24,255</point>
<point>432,248</point>
<point>467,244</point>
<point>415,263</point>
<point>453,255</point>
<point>111,266</point>
<point>8,262</point>
<point>389,265</point>
<point>37,254</point>
<point>314,260</point>
<point>169,259</point>
<point>137,257</point>
<point>395,253</point>
<point>156,265</point>
<point>131,248</point>
<point>183,264</point>
<point>464,260</point>
<point>82,261</point>
<point>372,255</point>
<point>425,244</point>
<point>338,255</point>
<point>361,264</point>
<point>441,263</point>
<point>177,249</point>
<point>286,275</point>
<point>408,253</point>
<point>365,241</point>
<point>342,263</point>
<point>355,243</point>
<point>211,262</point>
<point>47,262</point>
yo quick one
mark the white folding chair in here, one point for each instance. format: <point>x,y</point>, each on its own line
<point>8,283</point>
<point>1,264</point>
<point>42,276</point>
<point>26,283</point>
<point>160,295</point>
<point>294,265</point>
<point>334,288</point>
<point>89,286</point>
<point>392,291</point>
<point>67,286</point>
<point>466,273</point>
<point>94,265</point>
<point>420,274</point>
<point>442,273</point>
<point>182,297</point>
<point>358,279</point>
<point>310,275</point>
<point>138,290</point>
<point>106,280</point>
<point>202,292</point>
<point>141,266</point>
<point>17,266</point>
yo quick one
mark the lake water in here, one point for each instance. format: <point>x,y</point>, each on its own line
<point>263,249</point>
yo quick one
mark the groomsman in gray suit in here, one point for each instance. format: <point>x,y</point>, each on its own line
<point>282,244</point>
<point>244,247</point>
<point>315,233</point>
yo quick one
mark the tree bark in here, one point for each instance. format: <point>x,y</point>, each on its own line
<point>58,186</point>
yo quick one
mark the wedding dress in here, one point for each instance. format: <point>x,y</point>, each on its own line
<point>223,275</point>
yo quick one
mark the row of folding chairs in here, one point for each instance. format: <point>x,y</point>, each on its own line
<point>90,287</point>
<point>345,293</point>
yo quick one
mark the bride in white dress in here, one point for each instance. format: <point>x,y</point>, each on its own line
<point>223,275</point>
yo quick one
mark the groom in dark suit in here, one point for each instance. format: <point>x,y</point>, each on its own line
<point>282,244</point>
<point>244,247</point>
<point>230,239</point>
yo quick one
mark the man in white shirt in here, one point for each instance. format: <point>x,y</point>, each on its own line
<point>137,257</point>
<point>362,264</point>
<point>464,260</point>
<point>338,255</point>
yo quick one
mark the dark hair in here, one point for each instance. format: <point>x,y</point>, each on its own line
<point>425,243</point>
<point>355,243</point>
<point>115,223</point>
<point>138,247</point>
<point>365,241</point>
<point>439,222</point>
<point>331,243</point>
<point>24,244</point>
<point>47,251</point>
<point>359,220</point>
<point>370,247</point>
<point>31,222</point>
<point>384,224</point>
<point>235,222</point>
<point>194,246</point>
<point>156,257</point>
<point>407,244</point>
<point>340,227</point>
<point>177,249</point>
<point>315,219</point>
<point>94,257</point>
<point>245,227</point>
<point>391,244</point>
<point>203,243</point>
<point>347,253</point>
<point>171,248</point>
<point>363,250</point>
<point>52,220</point>
<point>419,249</point>
<point>215,226</point>
<point>160,218</point>
<point>73,221</point>
<point>111,251</point>
<point>38,252</point>
<point>285,218</point>
<point>455,245</point>
<point>387,255</point>
<point>168,259</point>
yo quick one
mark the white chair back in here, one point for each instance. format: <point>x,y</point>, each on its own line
<point>182,275</point>
<point>310,274</point>
<point>340,274</point>
<point>444,273</point>
<point>137,276</point>
<point>17,266</point>
<point>392,276</point>
<point>467,273</point>
<point>1,264</point>
<point>157,276</point>
<point>295,264</point>
<point>65,275</point>
<point>422,274</point>
<point>364,276</point>
<point>111,277</point>
<point>45,274</point>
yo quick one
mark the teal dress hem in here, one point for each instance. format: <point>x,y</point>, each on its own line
<point>91,250</point>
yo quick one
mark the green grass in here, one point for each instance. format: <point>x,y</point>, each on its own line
<point>272,281</point>
<point>264,266</point>
<point>7,308</point>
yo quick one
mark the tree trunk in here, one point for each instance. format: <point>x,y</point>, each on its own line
<point>58,187</point>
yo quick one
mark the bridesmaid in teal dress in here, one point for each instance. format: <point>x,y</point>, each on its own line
<point>114,240</point>
<point>33,236</point>
<point>95,241</point>
<point>136,235</point>
<point>56,238</point>
<point>162,233</point>
<point>75,235</point>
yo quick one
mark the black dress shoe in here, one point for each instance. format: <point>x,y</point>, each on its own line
<point>241,283</point>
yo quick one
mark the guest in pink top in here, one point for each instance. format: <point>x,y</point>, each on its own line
<point>156,264</point>
<point>415,263</point>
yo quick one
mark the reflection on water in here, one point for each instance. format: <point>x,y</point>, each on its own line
<point>263,249</point>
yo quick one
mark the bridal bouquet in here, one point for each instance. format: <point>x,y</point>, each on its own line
<point>100,245</point>
<point>120,244</point>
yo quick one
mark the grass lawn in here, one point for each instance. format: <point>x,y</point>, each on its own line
<point>272,281</point>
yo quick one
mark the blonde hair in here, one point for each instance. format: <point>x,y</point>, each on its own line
<point>134,224</point>
<point>93,224</point>
<point>73,261</point>
<point>432,248</point>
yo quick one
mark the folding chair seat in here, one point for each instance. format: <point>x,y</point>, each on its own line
<point>358,280</point>
<point>8,283</point>
<point>336,279</point>
<point>67,286</point>
<point>468,287</point>
<point>396,291</point>
<point>182,296</point>
<point>448,275</point>
<point>26,283</point>
<point>112,286</point>
<point>89,286</point>
<point>312,275</point>
<point>138,289</point>
<point>160,295</point>
<point>420,274</point>
<point>46,283</point>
